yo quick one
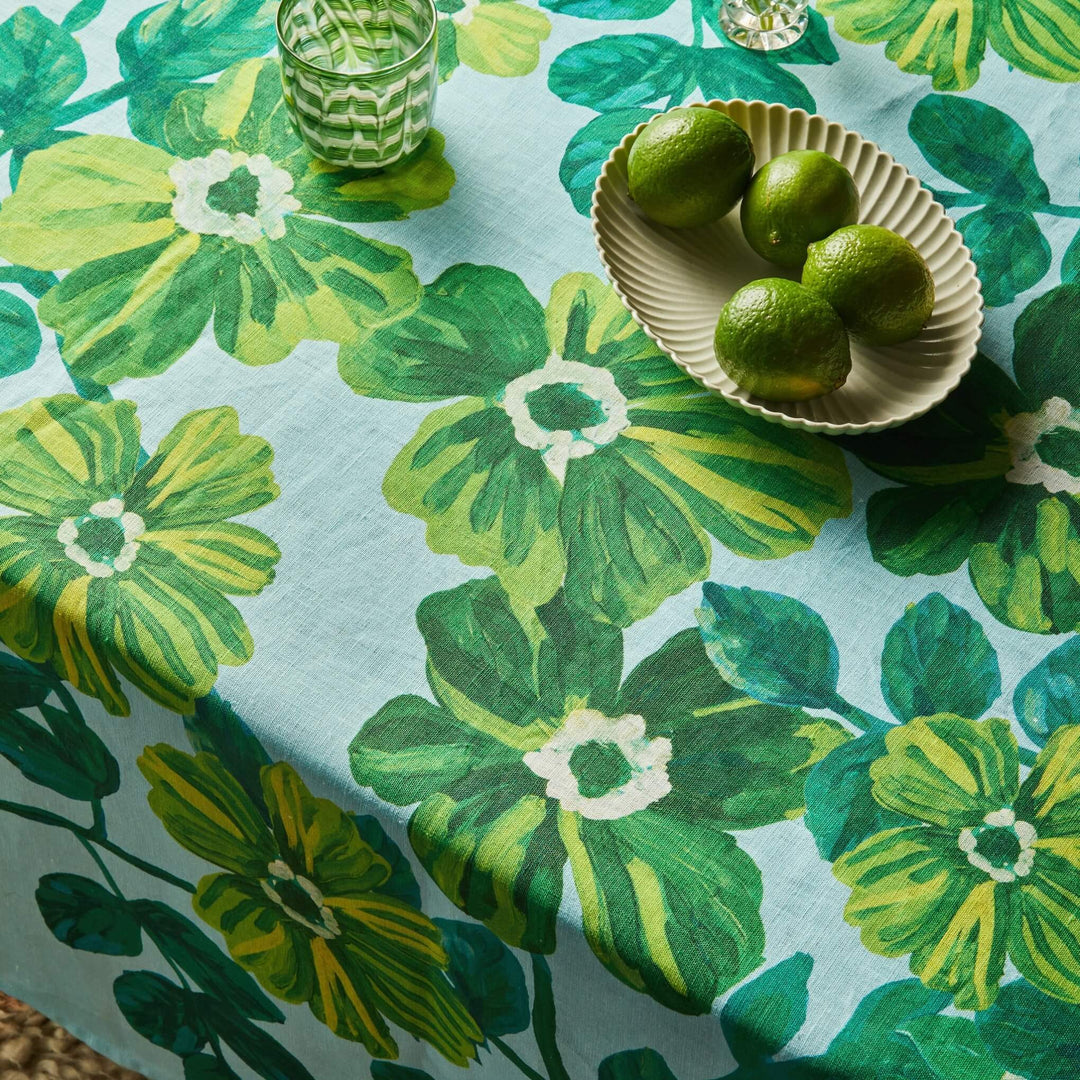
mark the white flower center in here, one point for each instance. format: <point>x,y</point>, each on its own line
<point>601,768</point>
<point>103,540</point>
<point>465,15</point>
<point>236,195</point>
<point>565,410</point>
<point>1054,429</point>
<point>300,899</point>
<point>1001,846</point>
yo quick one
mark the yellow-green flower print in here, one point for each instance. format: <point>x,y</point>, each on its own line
<point>108,568</point>
<point>947,39</point>
<point>989,868</point>
<point>578,451</point>
<point>228,224</point>
<point>493,37</point>
<point>308,906</point>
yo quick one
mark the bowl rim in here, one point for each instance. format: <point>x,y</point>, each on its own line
<point>775,415</point>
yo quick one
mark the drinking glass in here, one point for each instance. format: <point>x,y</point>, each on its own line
<point>764,24</point>
<point>359,76</point>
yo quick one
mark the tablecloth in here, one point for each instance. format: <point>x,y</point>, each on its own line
<point>409,670</point>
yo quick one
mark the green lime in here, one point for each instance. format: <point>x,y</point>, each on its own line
<point>689,166</point>
<point>875,279</point>
<point>781,342</point>
<point>796,198</point>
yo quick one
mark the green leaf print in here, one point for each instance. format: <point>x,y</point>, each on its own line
<point>207,1067</point>
<point>262,1053</point>
<point>952,1047</point>
<point>1043,357</point>
<point>608,9</point>
<point>980,148</point>
<point>161,1011</point>
<point>41,66</point>
<point>487,977</point>
<point>583,454</point>
<point>814,47</point>
<point>619,71</point>
<point>948,41</point>
<point>1031,1034</point>
<point>83,13</point>
<point>735,72</point>
<point>644,1064</point>
<point>841,810</point>
<point>388,1070</point>
<point>751,637</point>
<point>590,147</point>
<point>184,944</point>
<point>82,914</point>
<point>543,1020</point>
<point>937,659</point>
<point>763,1016</point>
<point>533,757</point>
<point>1048,696</point>
<point>1070,261</point>
<point>21,684</point>
<point>20,335</point>
<point>1010,250</point>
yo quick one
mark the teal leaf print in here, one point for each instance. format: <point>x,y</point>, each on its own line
<point>21,684</point>
<point>952,1047</point>
<point>772,647</point>
<point>36,282</point>
<point>262,1053</point>
<point>608,9</point>
<point>622,71</point>
<point>1032,1034</point>
<point>735,72</point>
<point>83,13</point>
<point>214,728</point>
<point>841,810</point>
<point>41,66</point>
<point>188,39</point>
<point>1048,696</point>
<point>643,1064</point>
<point>401,882</point>
<point>590,147</point>
<point>63,754</point>
<point>763,1016</point>
<point>1010,250</point>
<point>487,977</point>
<point>543,1018</point>
<point>207,1067</point>
<point>184,944</point>
<point>20,335</point>
<point>978,147</point>
<point>161,1011</point>
<point>814,47</point>
<point>83,914</point>
<point>937,659</point>
<point>390,1070</point>
<point>1070,261</point>
<point>1044,356</point>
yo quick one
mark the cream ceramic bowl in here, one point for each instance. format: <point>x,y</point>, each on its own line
<point>674,281</point>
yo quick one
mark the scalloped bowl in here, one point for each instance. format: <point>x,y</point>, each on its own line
<point>674,281</point>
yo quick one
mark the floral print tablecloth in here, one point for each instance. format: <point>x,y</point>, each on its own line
<point>407,669</point>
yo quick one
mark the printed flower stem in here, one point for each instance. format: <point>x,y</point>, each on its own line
<point>1059,210</point>
<point>83,832</point>
<point>863,720</point>
<point>543,1017</point>
<point>512,1056</point>
<point>109,879</point>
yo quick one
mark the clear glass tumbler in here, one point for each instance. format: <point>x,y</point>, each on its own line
<point>359,76</point>
<point>764,24</point>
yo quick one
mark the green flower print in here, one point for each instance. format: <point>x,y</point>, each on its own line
<point>493,37</point>
<point>992,476</point>
<point>107,568</point>
<point>987,869</point>
<point>579,449</point>
<point>226,224</point>
<point>308,906</point>
<point>533,756</point>
<point>947,39</point>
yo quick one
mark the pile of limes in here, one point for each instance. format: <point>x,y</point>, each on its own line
<point>779,339</point>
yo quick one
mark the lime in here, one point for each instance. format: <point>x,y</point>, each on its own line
<point>875,279</point>
<point>781,342</point>
<point>796,198</point>
<point>689,166</point>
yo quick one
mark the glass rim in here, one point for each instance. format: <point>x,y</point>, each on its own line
<point>347,76</point>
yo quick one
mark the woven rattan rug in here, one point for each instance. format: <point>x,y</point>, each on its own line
<point>32,1047</point>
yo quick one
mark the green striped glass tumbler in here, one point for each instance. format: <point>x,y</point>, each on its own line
<point>359,76</point>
